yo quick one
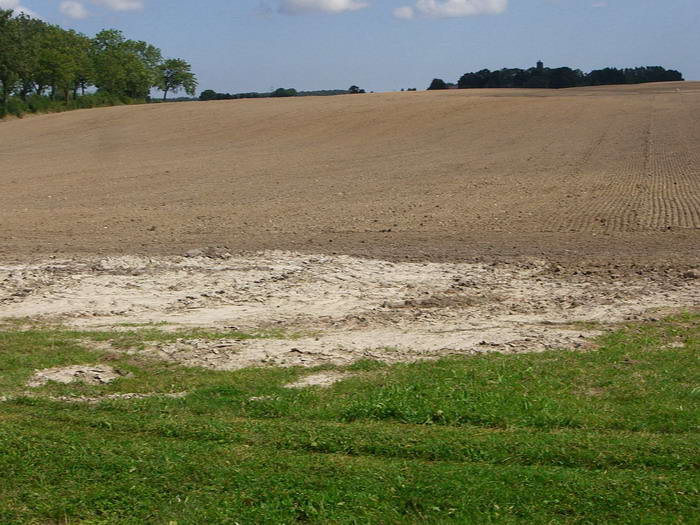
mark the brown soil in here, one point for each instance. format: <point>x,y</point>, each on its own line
<point>605,174</point>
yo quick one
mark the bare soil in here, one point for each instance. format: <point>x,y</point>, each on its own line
<point>338,309</point>
<point>90,375</point>
<point>595,173</point>
<point>389,226</point>
<point>320,379</point>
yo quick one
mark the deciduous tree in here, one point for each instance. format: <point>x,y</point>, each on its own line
<point>175,74</point>
<point>437,83</point>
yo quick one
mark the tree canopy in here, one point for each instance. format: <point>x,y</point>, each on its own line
<point>175,74</point>
<point>210,94</point>
<point>355,90</point>
<point>564,77</point>
<point>284,92</point>
<point>46,61</point>
<point>437,83</point>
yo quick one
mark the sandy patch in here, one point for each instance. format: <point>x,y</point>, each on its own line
<point>321,379</point>
<point>341,308</point>
<point>90,375</point>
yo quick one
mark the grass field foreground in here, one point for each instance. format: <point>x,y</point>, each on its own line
<point>604,436</point>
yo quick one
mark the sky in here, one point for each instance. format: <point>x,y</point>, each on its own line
<point>386,45</point>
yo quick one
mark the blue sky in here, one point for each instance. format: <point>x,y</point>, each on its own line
<point>383,45</point>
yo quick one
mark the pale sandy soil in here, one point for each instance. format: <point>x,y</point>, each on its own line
<point>338,309</point>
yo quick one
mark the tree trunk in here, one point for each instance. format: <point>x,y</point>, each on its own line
<point>165,94</point>
<point>5,93</point>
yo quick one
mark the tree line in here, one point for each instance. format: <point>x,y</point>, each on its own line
<point>210,94</point>
<point>557,78</point>
<point>44,67</point>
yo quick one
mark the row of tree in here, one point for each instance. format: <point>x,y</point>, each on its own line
<point>557,78</point>
<point>210,94</point>
<point>44,60</point>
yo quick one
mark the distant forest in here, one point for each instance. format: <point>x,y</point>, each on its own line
<point>44,67</point>
<point>557,78</point>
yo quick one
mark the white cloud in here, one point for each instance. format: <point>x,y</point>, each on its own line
<point>406,12</point>
<point>600,4</point>
<point>452,8</point>
<point>74,9</point>
<point>17,8</point>
<point>319,6</point>
<point>120,5</point>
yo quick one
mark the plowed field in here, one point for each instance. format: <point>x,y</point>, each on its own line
<point>594,172</point>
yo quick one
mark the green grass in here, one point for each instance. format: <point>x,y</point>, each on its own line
<point>135,337</point>
<point>605,436</point>
<point>140,337</point>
